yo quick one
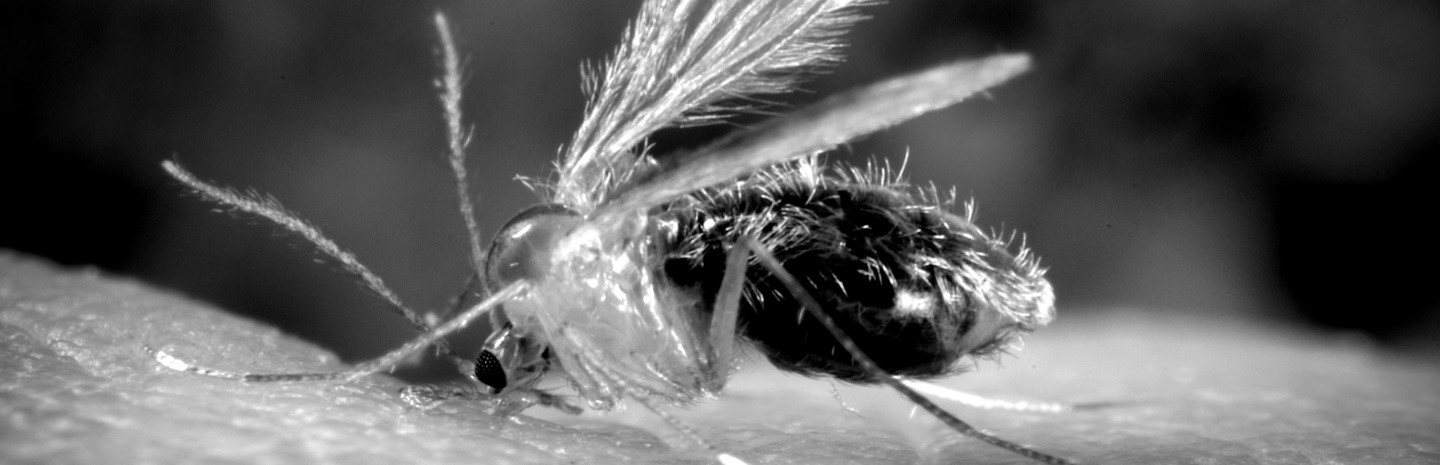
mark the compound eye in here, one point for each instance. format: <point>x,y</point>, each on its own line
<point>521,250</point>
<point>489,371</point>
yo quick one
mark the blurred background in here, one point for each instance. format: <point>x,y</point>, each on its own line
<point>1266,161</point>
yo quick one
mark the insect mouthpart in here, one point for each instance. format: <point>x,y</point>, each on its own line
<point>521,251</point>
<point>511,360</point>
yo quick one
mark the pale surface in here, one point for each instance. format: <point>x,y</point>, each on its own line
<point>76,387</point>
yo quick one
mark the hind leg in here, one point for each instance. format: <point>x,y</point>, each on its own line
<point>812,307</point>
<point>725,317</point>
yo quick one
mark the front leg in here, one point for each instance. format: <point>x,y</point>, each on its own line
<point>429,396</point>
<point>507,404</point>
<point>513,402</point>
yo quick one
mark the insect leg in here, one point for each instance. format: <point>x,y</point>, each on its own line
<point>270,209</point>
<point>723,457</point>
<point>725,316</point>
<point>379,364</point>
<point>457,303</point>
<point>813,307</point>
<point>974,401</point>
<point>674,423</point>
<point>507,404</point>
<point>427,396</point>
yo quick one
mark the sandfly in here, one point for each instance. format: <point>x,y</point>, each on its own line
<point>642,274</point>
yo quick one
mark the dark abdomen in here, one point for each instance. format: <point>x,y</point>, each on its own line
<point>885,265</point>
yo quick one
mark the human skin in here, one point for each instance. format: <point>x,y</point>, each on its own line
<point>76,386</point>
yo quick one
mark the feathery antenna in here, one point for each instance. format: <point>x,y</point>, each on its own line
<point>450,96</point>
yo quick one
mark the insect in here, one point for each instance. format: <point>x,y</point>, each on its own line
<point>642,274</point>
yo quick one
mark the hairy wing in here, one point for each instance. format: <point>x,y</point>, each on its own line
<point>679,63</point>
<point>830,122</point>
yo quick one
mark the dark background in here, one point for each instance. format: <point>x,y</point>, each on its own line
<point>1260,160</point>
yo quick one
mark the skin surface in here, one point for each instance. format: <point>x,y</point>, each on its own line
<point>76,387</point>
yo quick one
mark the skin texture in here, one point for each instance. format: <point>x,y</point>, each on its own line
<point>76,387</point>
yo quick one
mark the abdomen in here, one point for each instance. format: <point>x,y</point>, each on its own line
<point>894,270</point>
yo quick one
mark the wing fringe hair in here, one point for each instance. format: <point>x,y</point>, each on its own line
<point>692,62</point>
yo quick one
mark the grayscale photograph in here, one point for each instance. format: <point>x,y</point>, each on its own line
<point>720,232</point>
